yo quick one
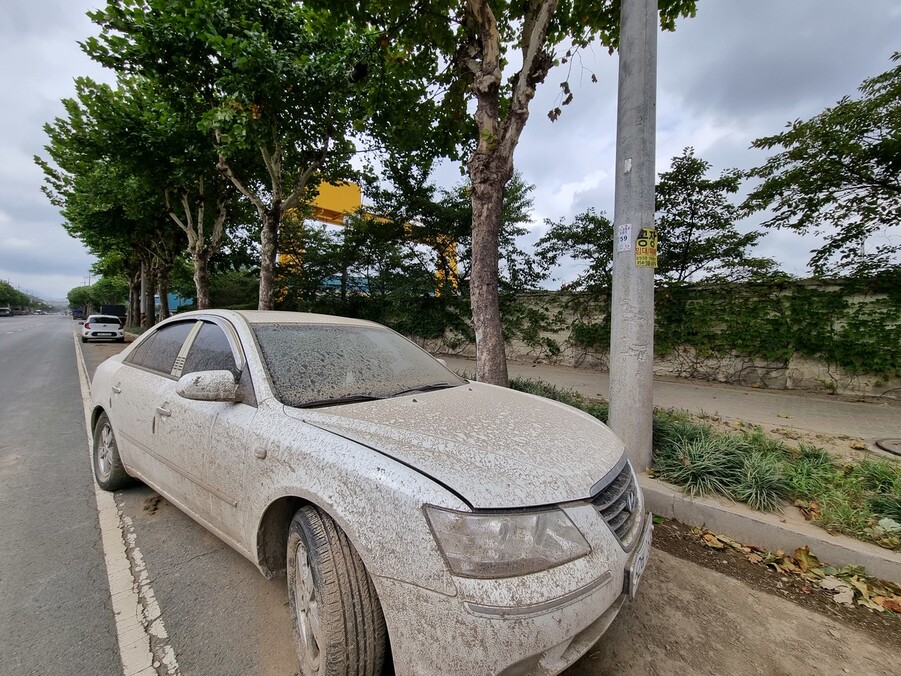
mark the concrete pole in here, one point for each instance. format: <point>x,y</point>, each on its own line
<point>632,329</point>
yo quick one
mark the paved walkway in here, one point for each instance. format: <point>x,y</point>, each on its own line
<point>805,411</point>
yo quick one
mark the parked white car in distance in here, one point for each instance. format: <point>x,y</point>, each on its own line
<point>471,528</point>
<point>102,327</point>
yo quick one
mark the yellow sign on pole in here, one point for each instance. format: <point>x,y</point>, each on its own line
<point>646,248</point>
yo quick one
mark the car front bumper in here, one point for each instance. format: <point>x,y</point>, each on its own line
<point>434,633</point>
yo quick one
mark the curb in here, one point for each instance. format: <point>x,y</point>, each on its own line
<point>771,531</point>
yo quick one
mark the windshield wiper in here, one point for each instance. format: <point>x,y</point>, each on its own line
<point>424,388</point>
<point>352,399</point>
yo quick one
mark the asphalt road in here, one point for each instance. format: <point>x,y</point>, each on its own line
<point>223,618</point>
<point>55,612</point>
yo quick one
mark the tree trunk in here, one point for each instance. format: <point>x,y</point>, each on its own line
<point>269,242</point>
<point>148,309</point>
<point>134,300</point>
<point>487,203</point>
<point>202,280</point>
<point>162,279</point>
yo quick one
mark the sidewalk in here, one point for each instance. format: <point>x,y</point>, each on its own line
<point>811,413</point>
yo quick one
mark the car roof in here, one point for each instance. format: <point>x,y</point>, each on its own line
<point>283,317</point>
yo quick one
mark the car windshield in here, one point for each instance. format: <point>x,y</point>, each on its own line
<point>322,364</point>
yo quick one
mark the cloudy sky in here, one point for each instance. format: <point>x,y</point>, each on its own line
<point>740,70</point>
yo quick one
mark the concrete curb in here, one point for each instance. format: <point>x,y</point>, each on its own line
<point>786,531</point>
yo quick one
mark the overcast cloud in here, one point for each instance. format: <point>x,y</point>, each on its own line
<point>738,71</point>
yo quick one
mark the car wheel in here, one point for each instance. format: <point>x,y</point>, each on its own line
<point>338,623</point>
<point>83,339</point>
<point>120,340</point>
<point>108,469</point>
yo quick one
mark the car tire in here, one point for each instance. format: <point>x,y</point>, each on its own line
<point>83,339</point>
<point>120,340</point>
<point>337,620</point>
<point>108,469</point>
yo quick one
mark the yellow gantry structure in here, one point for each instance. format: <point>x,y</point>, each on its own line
<point>335,202</point>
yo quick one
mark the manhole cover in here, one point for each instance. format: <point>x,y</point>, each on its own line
<point>890,445</point>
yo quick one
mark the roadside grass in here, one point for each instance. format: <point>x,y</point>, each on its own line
<point>860,498</point>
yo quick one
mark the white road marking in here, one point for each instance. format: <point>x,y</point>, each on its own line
<point>143,641</point>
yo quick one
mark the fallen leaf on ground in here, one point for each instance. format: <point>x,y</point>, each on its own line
<point>806,560</point>
<point>832,583</point>
<point>711,541</point>
<point>845,596</point>
<point>858,446</point>
<point>893,604</point>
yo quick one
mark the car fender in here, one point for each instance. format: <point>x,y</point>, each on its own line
<point>380,486</point>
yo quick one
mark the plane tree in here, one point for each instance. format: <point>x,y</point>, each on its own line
<point>106,204</point>
<point>491,56</point>
<point>288,91</point>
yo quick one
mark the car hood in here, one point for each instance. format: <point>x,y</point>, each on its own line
<point>492,446</point>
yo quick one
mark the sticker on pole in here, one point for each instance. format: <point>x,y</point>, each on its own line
<point>624,238</point>
<point>646,248</point>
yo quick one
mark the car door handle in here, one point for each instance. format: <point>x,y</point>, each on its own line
<point>117,389</point>
<point>165,412</point>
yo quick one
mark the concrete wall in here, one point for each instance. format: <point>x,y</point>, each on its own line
<point>795,373</point>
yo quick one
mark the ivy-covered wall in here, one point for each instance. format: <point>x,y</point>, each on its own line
<point>833,336</point>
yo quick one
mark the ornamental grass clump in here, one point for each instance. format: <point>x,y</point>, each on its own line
<point>702,466</point>
<point>882,480</point>
<point>761,482</point>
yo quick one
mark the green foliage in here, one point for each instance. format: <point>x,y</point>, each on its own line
<point>12,297</point>
<point>838,175</point>
<point>111,290</point>
<point>761,483</point>
<point>696,225</point>
<point>234,289</point>
<point>852,324</point>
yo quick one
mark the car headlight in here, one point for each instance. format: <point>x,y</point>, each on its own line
<point>505,544</point>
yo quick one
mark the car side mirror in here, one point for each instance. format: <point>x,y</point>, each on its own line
<point>441,361</point>
<point>208,386</point>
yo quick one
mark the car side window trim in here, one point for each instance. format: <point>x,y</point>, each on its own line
<point>179,364</point>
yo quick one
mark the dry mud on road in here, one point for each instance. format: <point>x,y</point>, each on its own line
<point>686,623</point>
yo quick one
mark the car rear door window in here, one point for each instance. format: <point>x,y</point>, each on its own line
<point>163,347</point>
<point>210,351</point>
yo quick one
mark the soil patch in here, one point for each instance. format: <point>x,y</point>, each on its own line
<point>681,541</point>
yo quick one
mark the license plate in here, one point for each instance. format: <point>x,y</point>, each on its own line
<point>639,559</point>
<point>105,333</point>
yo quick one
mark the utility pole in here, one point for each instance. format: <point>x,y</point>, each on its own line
<point>635,241</point>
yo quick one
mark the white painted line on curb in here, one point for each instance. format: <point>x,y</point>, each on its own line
<point>143,642</point>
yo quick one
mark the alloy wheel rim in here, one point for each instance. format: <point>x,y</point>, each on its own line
<point>104,453</point>
<point>309,628</point>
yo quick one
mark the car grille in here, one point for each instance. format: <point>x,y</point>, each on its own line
<point>618,502</point>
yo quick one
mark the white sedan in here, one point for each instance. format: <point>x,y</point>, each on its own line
<point>473,529</point>
<point>102,327</point>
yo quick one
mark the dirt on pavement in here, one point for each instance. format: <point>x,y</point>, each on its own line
<point>685,623</point>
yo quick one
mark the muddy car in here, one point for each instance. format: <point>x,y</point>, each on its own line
<point>471,528</point>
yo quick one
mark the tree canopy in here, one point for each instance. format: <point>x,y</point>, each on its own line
<point>696,220</point>
<point>838,175</point>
